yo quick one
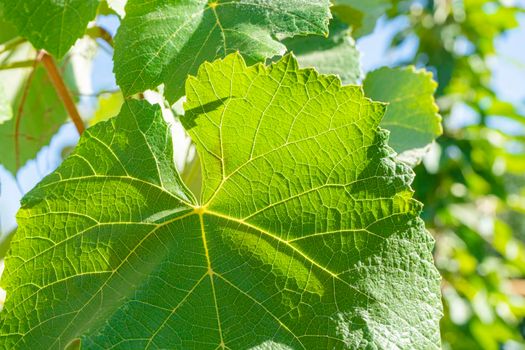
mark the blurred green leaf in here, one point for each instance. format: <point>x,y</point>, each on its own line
<point>109,105</point>
<point>49,24</point>
<point>361,15</point>
<point>37,110</point>
<point>412,114</point>
<point>38,115</point>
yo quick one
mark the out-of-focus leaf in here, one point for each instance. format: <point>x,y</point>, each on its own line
<point>50,24</point>
<point>515,163</point>
<point>487,20</point>
<point>38,112</point>
<point>412,114</point>
<point>336,54</point>
<point>361,15</point>
<point>108,106</point>
<point>42,115</point>
<point>34,123</point>
<point>505,109</point>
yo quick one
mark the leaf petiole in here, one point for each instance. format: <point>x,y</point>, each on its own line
<point>16,65</point>
<point>97,32</point>
<point>62,91</point>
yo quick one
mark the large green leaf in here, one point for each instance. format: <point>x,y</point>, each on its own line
<point>361,15</point>
<point>50,24</point>
<point>412,114</point>
<point>306,235</point>
<point>336,54</point>
<point>162,41</point>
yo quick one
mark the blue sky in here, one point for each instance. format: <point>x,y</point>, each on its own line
<point>509,77</point>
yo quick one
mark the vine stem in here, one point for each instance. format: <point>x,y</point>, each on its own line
<point>19,64</point>
<point>62,91</point>
<point>97,32</point>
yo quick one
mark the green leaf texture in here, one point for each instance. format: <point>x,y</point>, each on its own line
<point>306,235</point>
<point>336,54</point>
<point>412,114</point>
<point>162,41</point>
<point>53,25</point>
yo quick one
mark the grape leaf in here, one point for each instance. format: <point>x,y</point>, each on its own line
<point>109,106</point>
<point>42,115</point>
<point>38,112</point>
<point>336,54</point>
<point>412,115</point>
<point>50,24</point>
<point>306,235</point>
<point>361,15</point>
<point>162,41</point>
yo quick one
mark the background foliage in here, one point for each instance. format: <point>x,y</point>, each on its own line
<point>474,192</point>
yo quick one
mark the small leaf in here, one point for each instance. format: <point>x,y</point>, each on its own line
<point>412,114</point>
<point>108,106</point>
<point>361,15</point>
<point>50,24</point>
<point>306,235</point>
<point>336,54</point>
<point>162,41</point>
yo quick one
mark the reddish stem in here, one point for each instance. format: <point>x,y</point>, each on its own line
<point>62,91</point>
